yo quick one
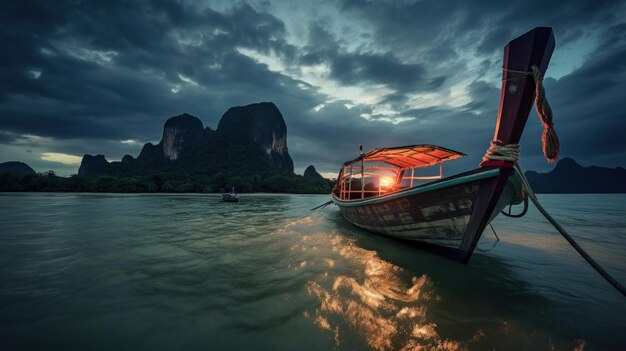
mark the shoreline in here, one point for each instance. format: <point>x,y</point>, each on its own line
<point>154,193</point>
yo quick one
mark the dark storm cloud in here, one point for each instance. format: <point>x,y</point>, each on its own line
<point>466,24</point>
<point>334,136</point>
<point>360,68</point>
<point>588,103</point>
<point>483,96</point>
<point>90,74</point>
<point>6,137</point>
<point>89,69</point>
<point>385,69</point>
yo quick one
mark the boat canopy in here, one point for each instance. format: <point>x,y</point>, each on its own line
<point>384,170</point>
<point>410,156</point>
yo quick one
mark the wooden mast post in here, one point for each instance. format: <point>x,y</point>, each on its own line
<point>534,48</point>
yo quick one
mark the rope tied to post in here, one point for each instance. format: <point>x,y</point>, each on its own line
<point>499,151</point>
<point>549,138</point>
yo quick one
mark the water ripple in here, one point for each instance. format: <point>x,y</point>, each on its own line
<point>188,272</point>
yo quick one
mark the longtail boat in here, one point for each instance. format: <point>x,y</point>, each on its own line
<point>385,190</point>
<point>230,197</point>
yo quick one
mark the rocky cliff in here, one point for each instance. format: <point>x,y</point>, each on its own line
<point>248,139</point>
<point>570,177</point>
<point>180,132</point>
<point>264,124</point>
<point>310,173</point>
<point>93,165</point>
<point>16,167</point>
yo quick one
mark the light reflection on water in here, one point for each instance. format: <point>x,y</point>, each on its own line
<point>378,303</point>
<point>372,302</point>
<point>379,326</point>
<point>172,272</point>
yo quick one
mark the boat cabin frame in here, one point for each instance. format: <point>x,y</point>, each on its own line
<point>386,170</point>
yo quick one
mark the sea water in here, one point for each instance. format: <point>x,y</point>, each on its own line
<point>187,272</point>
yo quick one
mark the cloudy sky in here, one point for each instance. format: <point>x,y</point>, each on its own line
<point>93,77</point>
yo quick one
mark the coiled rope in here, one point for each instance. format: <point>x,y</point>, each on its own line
<point>549,140</point>
<point>499,151</point>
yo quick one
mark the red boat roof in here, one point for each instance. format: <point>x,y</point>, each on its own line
<point>410,155</point>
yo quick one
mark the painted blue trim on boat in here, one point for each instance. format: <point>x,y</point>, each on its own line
<point>420,189</point>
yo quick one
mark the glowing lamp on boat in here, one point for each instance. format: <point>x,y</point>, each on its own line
<point>386,182</point>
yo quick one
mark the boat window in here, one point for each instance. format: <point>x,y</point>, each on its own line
<point>427,174</point>
<point>362,180</point>
<point>405,181</point>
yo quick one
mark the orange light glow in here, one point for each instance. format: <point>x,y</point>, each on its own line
<point>386,182</point>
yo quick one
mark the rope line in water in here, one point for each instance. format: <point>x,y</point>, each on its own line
<point>499,151</point>
<point>567,237</point>
<point>494,232</point>
<point>322,205</point>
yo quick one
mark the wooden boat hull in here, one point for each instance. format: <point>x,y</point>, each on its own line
<point>449,215</point>
<point>440,216</point>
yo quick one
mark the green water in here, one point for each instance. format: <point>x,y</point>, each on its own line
<point>164,272</point>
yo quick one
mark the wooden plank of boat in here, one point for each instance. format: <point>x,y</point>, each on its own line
<point>435,214</point>
<point>449,215</point>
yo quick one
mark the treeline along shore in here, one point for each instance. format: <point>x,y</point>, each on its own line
<point>217,183</point>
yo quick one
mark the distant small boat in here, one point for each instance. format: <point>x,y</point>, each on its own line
<point>230,197</point>
<point>383,190</point>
